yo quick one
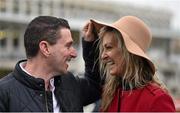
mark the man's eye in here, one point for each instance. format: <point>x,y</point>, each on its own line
<point>68,47</point>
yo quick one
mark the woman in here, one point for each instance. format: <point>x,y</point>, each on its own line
<point>130,81</point>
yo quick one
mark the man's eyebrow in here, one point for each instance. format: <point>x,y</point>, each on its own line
<point>69,43</point>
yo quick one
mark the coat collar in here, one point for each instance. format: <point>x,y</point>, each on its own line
<point>26,79</point>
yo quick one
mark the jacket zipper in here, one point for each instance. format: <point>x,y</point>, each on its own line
<point>46,102</point>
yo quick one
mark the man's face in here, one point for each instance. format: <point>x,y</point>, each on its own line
<point>62,52</point>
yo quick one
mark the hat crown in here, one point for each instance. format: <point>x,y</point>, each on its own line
<point>137,30</point>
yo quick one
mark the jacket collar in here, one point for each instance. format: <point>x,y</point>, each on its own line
<point>28,80</point>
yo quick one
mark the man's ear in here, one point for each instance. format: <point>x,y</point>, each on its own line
<point>44,48</point>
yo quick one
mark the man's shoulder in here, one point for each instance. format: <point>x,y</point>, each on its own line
<point>68,79</point>
<point>7,81</point>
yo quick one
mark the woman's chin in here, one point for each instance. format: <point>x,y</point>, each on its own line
<point>113,73</point>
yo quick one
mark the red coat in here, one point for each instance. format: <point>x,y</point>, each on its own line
<point>151,98</point>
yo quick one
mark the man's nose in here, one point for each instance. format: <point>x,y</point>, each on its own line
<point>73,53</point>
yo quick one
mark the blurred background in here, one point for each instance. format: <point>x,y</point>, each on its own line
<point>162,16</point>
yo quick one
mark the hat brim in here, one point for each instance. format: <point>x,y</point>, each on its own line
<point>131,46</point>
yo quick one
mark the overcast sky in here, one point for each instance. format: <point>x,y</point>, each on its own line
<point>173,5</point>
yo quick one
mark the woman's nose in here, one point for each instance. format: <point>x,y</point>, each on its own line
<point>103,56</point>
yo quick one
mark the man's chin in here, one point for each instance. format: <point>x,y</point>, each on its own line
<point>62,73</point>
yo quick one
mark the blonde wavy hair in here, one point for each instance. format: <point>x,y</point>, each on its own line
<point>136,70</point>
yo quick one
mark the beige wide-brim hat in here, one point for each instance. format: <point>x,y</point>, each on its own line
<point>136,35</point>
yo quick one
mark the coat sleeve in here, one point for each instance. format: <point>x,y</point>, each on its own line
<point>163,103</point>
<point>90,84</point>
<point>3,101</point>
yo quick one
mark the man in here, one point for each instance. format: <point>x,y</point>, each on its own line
<point>42,83</point>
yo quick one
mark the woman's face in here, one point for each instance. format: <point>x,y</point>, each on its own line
<point>111,54</point>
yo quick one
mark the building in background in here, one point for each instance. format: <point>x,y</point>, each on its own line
<point>15,15</point>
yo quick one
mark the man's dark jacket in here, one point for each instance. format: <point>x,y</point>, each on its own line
<point>20,92</point>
